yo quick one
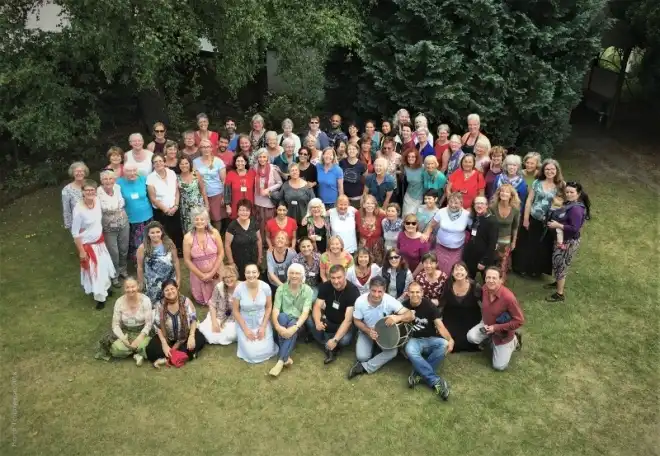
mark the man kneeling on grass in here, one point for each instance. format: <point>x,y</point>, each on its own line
<point>369,309</point>
<point>331,323</point>
<point>500,317</point>
<point>425,341</point>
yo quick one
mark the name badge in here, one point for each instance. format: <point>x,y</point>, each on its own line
<point>135,196</point>
<point>474,231</point>
<point>335,305</point>
<point>295,203</point>
<point>312,274</point>
<point>244,189</point>
<point>318,238</point>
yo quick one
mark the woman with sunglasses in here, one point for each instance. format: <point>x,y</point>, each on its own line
<point>410,244</point>
<point>308,171</point>
<point>157,146</point>
<point>396,274</point>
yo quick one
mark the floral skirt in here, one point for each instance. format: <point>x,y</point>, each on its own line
<point>562,257</point>
<point>503,258</point>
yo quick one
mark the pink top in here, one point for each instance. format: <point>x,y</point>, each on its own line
<point>411,250</point>
<point>203,255</point>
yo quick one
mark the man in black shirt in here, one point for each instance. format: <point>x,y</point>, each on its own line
<point>424,340</point>
<point>332,315</point>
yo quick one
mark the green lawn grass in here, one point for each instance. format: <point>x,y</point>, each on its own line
<point>586,382</point>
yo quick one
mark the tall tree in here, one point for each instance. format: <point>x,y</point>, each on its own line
<point>518,63</point>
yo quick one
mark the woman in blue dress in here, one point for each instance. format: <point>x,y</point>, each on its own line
<point>157,262</point>
<point>252,306</point>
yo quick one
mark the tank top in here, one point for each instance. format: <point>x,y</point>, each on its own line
<point>159,148</point>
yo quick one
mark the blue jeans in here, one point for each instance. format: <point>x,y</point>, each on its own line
<point>286,345</point>
<point>322,337</point>
<point>435,349</point>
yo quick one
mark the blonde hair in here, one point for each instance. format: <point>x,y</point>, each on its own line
<point>515,199</point>
<point>498,150</point>
<point>443,127</point>
<point>335,238</point>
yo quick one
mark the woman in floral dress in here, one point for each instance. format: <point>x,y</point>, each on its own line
<point>193,193</point>
<point>157,262</point>
<point>369,224</point>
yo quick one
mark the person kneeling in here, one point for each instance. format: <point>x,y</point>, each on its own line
<point>369,309</point>
<point>331,323</point>
<point>219,326</point>
<point>425,341</point>
<point>175,324</point>
<point>293,300</point>
<point>501,316</point>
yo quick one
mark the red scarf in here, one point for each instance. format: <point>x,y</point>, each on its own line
<point>263,172</point>
<point>91,259</point>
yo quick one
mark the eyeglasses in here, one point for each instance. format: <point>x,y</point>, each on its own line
<point>159,131</point>
<point>411,223</point>
<point>395,257</point>
<point>314,122</point>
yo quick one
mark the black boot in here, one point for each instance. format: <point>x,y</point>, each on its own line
<point>329,356</point>
<point>100,305</point>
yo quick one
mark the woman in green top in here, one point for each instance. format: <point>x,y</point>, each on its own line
<point>413,186</point>
<point>505,206</point>
<point>433,178</point>
<point>531,167</point>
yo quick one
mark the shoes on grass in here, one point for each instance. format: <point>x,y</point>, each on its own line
<point>414,379</point>
<point>555,297</point>
<point>550,286</point>
<point>100,305</point>
<point>441,389</point>
<point>139,359</point>
<point>329,356</point>
<point>519,337</point>
<point>357,369</point>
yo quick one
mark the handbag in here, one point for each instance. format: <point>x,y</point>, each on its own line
<point>177,358</point>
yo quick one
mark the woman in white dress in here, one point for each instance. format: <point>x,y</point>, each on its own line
<point>219,327</point>
<point>96,268</point>
<point>252,306</point>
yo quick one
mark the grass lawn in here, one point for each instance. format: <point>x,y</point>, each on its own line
<point>586,382</point>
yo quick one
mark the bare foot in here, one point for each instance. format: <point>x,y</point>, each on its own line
<point>288,363</point>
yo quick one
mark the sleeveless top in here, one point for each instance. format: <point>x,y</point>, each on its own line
<point>159,148</point>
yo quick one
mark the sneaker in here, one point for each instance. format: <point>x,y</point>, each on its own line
<point>555,297</point>
<point>100,305</point>
<point>357,369</point>
<point>519,344</point>
<point>329,356</point>
<point>442,389</point>
<point>414,379</point>
<point>115,283</point>
<point>550,286</point>
<point>139,359</point>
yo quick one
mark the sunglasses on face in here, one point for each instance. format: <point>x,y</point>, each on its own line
<point>411,223</point>
<point>395,257</point>
<point>313,122</point>
<point>159,131</point>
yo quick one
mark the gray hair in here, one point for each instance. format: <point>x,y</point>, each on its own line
<point>474,117</point>
<point>483,142</point>
<point>296,267</point>
<point>199,211</point>
<point>107,173</point>
<point>395,120</point>
<point>443,127</point>
<point>271,134</point>
<point>130,165</point>
<point>315,202</point>
<point>422,118</point>
<point>429,158</point>
<point>202,116</point>
<point>135,135</point>
<point>287,122</point>
<point>288,142</point>
<point>261,152</point>
<point>423,130</point>
<point>257,118</point>
<point>512,160</point>
<point>383,161</point>
<point>75,165</point>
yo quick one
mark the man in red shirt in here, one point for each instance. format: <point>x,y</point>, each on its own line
<point>223,153</point>
<point>501,316</point>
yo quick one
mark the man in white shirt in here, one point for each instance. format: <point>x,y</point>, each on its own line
<point>369,309</point>
<point>342,223</point>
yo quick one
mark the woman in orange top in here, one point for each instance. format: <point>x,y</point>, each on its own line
<point>468,181</point>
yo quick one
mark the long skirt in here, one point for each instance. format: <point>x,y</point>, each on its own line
<point>410,205</point>
<point>172,225</point>
<point>533,253</point>
<point>503,259</point>
<point>447,257</point>
<point>136,237</point>
<point>256,351</point>
<point>263,214</point>
<point>226,336</point>
<point>111,347</point>
<point>98,278</point>
<point>563,257</point>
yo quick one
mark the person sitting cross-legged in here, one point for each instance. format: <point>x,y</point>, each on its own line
<point>425,348</point>
<point>331,323</point>
<point>293,301</point>
<point>501,316</point>
<point>369,309</point>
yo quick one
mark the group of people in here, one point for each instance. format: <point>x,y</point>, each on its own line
<point>264,220</point>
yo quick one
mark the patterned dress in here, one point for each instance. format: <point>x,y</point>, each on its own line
<point>371,236</point>
<point>191,197</point>
<point>433,289</point>
<point>158,267</point>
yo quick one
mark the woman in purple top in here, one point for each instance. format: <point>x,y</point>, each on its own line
<point>570,218</point>
<point>410,245</point>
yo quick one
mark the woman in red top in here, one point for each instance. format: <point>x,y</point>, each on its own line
<point>369,225</point>
<point>205,133</point>
<point>239,185</point>
<point>441,147</point>
<point>365,154</point>
<point>468,181</point>
<point>281,222</point>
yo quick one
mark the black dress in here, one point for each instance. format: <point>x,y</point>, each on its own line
<point>310,175</point>
<point>480,249</point>
<point>460,314</point>
<point>243,245</point>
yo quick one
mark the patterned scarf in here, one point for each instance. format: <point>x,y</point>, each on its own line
<point>514,182</point>
<point>263,172</point>
<point>182,317</point>
<point>454,161</point>
<point>454,215</point>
